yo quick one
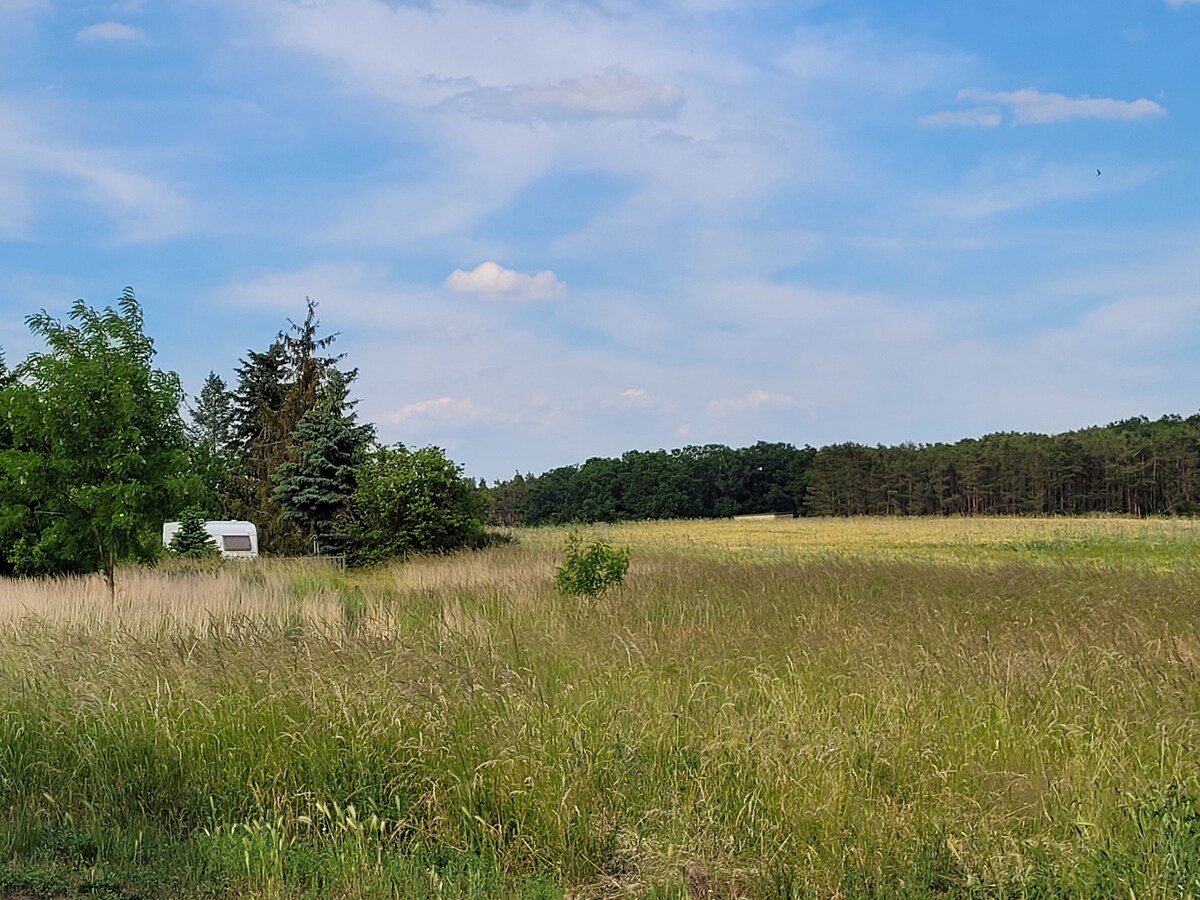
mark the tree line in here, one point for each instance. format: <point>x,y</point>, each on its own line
<point>98,447</point>
<point>1134,467</point>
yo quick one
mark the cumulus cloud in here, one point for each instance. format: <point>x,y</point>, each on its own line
<point>615,93</point>
<point>976,117</point>
<point>755,400</point>
<point>1030,106</point>
<point>491,279</point>
<point>109,32</point>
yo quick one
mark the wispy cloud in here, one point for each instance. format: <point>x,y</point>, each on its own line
<point>110,32</point>
<point>751,402</point>
<point>976,117</point>
<point>637,397</point>
<point>640,399</point>
<point>1030,106</point>
<point>490,279</point>
<point>442,411</point>
<point>1177,4</point>
<point>615,93</point>
<point>146,207</point>
<point>1014,185</point>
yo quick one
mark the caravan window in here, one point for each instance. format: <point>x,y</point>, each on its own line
<point>236,541</point>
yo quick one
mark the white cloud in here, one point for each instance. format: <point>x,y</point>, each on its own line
<point>731,145</point>
<point>441,412</point>
<point>109,31</point>
<point>1178,4</point>
<point>615,93</point>
<point>755,400</point>
<point>490,279</point>
<point>826,366</point>
<point>1030,106</point>
<point>1012,185</point>
<point>638,397</point>
<point>858,57</point>
<point>975,117</point>
<point>33,165</point>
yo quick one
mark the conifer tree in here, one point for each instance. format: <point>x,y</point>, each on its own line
<point>211,434</point>
<point>314,487</point>
<point>192,540</point>
<point>275,390</point>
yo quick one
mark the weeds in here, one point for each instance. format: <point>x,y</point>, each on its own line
<point>787,724</point>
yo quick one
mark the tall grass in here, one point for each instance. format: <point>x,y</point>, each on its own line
<point>831,723</point>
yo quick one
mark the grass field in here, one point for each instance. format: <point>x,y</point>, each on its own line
<point>810,708</point>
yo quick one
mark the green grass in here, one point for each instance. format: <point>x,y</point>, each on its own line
<point>804,727</point>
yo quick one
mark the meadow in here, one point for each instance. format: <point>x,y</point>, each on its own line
<point>810,708</point>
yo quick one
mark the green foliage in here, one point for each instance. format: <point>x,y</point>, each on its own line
<point>276,390</point>
<point>96,451</point>
<point>589,572</point>
<point>192,541</point>
<point>712,481</point>
<point>211,439</point>
<point>412,501</point>
<point>315,486</point>
<point>1135,467</point>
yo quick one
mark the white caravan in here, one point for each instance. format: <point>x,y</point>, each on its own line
<point>235,539</point>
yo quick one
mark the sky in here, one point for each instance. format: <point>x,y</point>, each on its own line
<point>552,231</point>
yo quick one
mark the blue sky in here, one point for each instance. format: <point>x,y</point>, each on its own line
<point>551,231</point>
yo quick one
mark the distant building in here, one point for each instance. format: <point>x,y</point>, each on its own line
<point>749,516</point>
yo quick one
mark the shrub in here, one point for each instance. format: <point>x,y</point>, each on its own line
<point>592,571</point>
<point>192,541</point>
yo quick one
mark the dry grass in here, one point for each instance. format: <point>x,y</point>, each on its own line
<point>849,708</point>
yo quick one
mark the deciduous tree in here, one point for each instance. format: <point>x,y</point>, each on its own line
<point>97,451</point>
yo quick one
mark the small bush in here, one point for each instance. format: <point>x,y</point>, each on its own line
<point>192,541</point>
<point>592,571</point>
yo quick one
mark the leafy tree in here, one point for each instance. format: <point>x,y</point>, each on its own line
<point>192,540</point>
<point>314,487</point>
<point>97,453</point>
<point>412,501</point>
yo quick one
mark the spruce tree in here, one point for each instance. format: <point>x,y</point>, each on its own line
<point>212,434</point>
<point>192,540</point>
<point>314,487</point>
<point>275,390</point>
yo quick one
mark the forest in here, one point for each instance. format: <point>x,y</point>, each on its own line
<point>1135,467</point>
